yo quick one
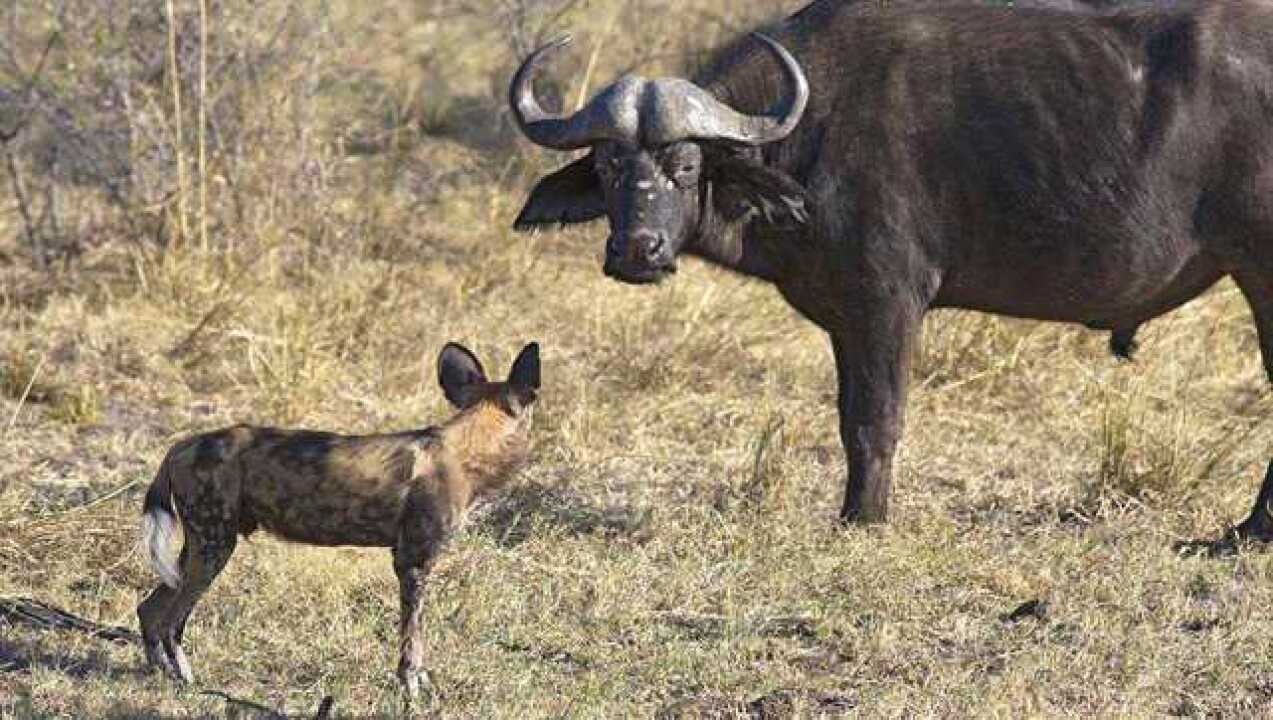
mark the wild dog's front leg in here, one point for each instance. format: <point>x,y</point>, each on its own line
<point>420,538</point>
<point>873,365</point>
<point>411,644</point>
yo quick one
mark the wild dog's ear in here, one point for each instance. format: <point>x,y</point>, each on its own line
<point>570,195</point>
<point>523,379</point>
<point>741,183</point>
<point>458,373</point>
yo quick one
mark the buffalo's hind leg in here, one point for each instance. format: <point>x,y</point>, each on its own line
<point>1257,527</point>
<point>1257,288</point>
<point>1259,524</point>
<point>1122,342</point>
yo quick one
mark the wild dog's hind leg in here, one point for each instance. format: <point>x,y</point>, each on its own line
<point>150,614</point>
<point>207,551</point>
<point>420,538</point>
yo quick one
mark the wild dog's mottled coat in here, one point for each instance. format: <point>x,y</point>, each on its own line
<point>403,490</point>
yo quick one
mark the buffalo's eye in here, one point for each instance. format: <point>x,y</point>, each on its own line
<point>611,170</point>
<point>679,164</point>
<point>683,175</point>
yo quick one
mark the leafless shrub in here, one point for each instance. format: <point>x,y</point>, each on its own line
<point>101,123</point>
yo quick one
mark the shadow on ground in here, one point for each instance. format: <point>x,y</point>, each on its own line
<point>22,655</point>
<point>19,656</point>
<point>512,519</point>
<point>23,652</point>
<point>772,706</point>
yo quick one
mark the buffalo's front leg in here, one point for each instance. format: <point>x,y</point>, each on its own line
<point>873,364</point>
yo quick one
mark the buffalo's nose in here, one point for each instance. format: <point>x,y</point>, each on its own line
<point>647,246</point>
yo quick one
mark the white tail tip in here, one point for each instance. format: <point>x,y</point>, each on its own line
<point>161,541</point>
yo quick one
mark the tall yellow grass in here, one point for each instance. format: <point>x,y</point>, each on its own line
<point>671,549</point>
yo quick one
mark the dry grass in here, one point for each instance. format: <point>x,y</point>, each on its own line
<point>671,548</point>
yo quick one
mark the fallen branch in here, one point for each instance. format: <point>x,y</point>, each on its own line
<point>44,616</point>
<point>324,706</point>
<point>266,711</point>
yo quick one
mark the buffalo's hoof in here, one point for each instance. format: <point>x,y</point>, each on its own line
<point>1122,343</point>
<point>859,516</point>
<point>1230,543</point>
<point>1225,546</point>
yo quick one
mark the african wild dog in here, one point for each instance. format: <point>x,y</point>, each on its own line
<point>405,491</point>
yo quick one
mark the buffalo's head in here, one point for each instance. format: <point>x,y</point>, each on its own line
<point>665,154</point>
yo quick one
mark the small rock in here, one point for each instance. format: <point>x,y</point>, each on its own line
<point>1034,609</point>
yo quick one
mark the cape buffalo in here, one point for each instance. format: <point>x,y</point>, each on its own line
<point>1093,168</point>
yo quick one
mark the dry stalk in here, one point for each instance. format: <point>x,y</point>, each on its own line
<point>596,53</point>
<point>13,419</point>
<point>203,124</point>
<point>174,71</point>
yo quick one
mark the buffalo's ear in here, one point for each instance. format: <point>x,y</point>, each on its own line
<point>570,195</point>
<point>743,183</point>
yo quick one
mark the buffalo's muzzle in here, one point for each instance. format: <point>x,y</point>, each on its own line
<point>643,257</point>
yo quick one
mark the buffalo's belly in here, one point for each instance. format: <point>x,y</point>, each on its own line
<point>1085,281</point>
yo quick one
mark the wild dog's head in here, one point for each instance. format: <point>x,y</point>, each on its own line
<point>506,403</point>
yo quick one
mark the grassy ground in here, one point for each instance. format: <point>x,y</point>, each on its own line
<point>671,549</point>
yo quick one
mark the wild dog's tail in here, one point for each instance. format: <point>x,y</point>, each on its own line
<point>161,533</point>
